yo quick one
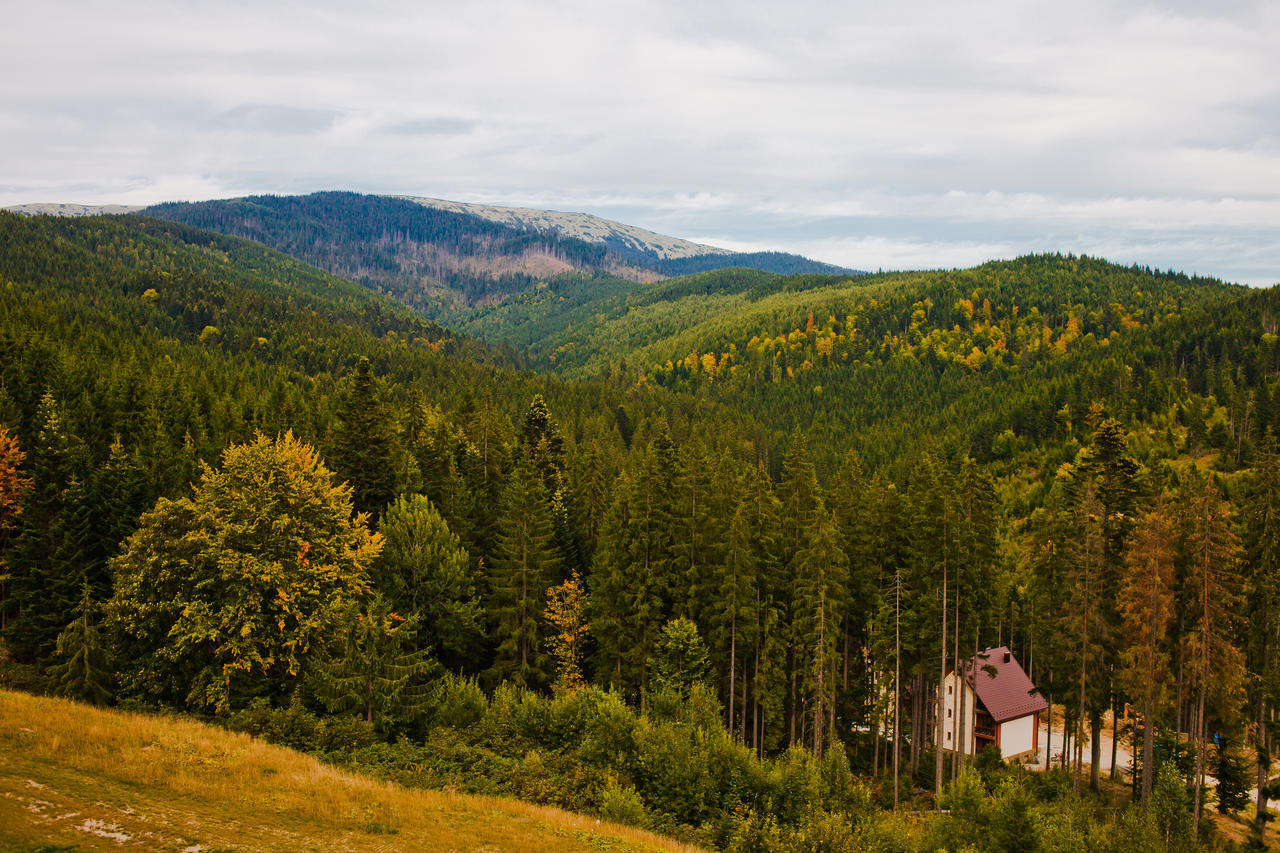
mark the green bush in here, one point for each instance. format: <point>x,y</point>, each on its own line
<point>622,804</point>
<point>457,702</point>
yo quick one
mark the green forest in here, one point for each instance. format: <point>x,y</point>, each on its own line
<point>693,555</point>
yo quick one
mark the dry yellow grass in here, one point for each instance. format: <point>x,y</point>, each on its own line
<point>95,779</point>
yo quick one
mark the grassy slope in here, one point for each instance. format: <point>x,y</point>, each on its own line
<point>75,777</point>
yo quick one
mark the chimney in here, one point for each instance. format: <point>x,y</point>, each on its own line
<point>1006,657</point>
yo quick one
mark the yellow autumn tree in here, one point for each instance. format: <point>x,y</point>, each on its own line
<point>228,594</point>
<point>566,613</point>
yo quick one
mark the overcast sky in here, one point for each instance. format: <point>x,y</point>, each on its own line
<point>874,135</point>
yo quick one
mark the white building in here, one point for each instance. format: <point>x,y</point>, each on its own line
<point>992,702</point>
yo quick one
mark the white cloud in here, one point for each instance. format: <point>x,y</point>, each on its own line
<point>930,132</point>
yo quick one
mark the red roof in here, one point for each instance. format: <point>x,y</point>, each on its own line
<point>1002,686</point>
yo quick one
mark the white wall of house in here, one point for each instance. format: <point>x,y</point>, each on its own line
<point>1017,736</point>
<point>951,707</point>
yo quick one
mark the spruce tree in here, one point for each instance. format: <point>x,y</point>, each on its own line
<point>802,503</point>
<point>525,564</point>
<point>1261,535</point>
<point>47,557</point>
<point>1212,584</point>
<point>733,608</point>
<point>83,667</point>
<point>679,657</point>
<point>1146,611</point>
<point>376,668</point>
<point>820,601</point>
<point>425,572</point>
<point>634,579</point>
<point>365,443</point>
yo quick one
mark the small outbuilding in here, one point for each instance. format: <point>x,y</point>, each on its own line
<point>992,702</point>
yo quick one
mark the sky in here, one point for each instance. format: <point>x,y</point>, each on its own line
<point>872,135</point>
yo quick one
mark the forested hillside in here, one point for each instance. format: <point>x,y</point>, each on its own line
<point>443,262</point>
<point>682,587</point>
<point>992,360</point>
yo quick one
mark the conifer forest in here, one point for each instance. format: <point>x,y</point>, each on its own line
<point>693,553</point>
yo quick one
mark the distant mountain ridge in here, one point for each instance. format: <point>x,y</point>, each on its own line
<point>447,258</point>
<point>71,209</point>
<point>629,241</point>
<point>630,244</point>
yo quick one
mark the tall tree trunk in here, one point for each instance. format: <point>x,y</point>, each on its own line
<point>820,674</point>
<point>1095,750</point>
<point>757,729</point>
<point>791,661</point>
<point>942,679</point>
<point>1048,732</point>
<point>1080,710</point>
<point>1200,744</point>
<point>1264,763</point>
<point>957,750</point>
<point>1177,705</point>
<point>1148,748</point>
<point>875,753</point>
<point>897,683</point>
<point>1115,732</point>
<point>733,661</point>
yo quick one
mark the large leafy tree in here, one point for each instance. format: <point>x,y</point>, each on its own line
<point>228,593</point>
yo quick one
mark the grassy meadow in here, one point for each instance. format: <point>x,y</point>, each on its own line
<point>74,777</point>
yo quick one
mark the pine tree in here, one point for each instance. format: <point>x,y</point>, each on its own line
<point>365,451</point>
<point>524,566</point>
<point>679,657</point>
<point>1215,664</point>
<point>733,607</point>
<point>802,504</point>
<point>542,444</point>
<point>1146,611</point>
<point>592,496</point>
<point>633,579</point>
<point>425,574</point>
<point>766,662</point>
<point>377,667</point>
<point>84,666</point>
<point>1261,532</point>
<point>1086,550</point>
<point>47,557</point>
<point>819,603</point>
<point>1115,478</point>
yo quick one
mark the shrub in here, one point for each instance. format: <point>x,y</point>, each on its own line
<point>622,804</point>
<point>457,702</point>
